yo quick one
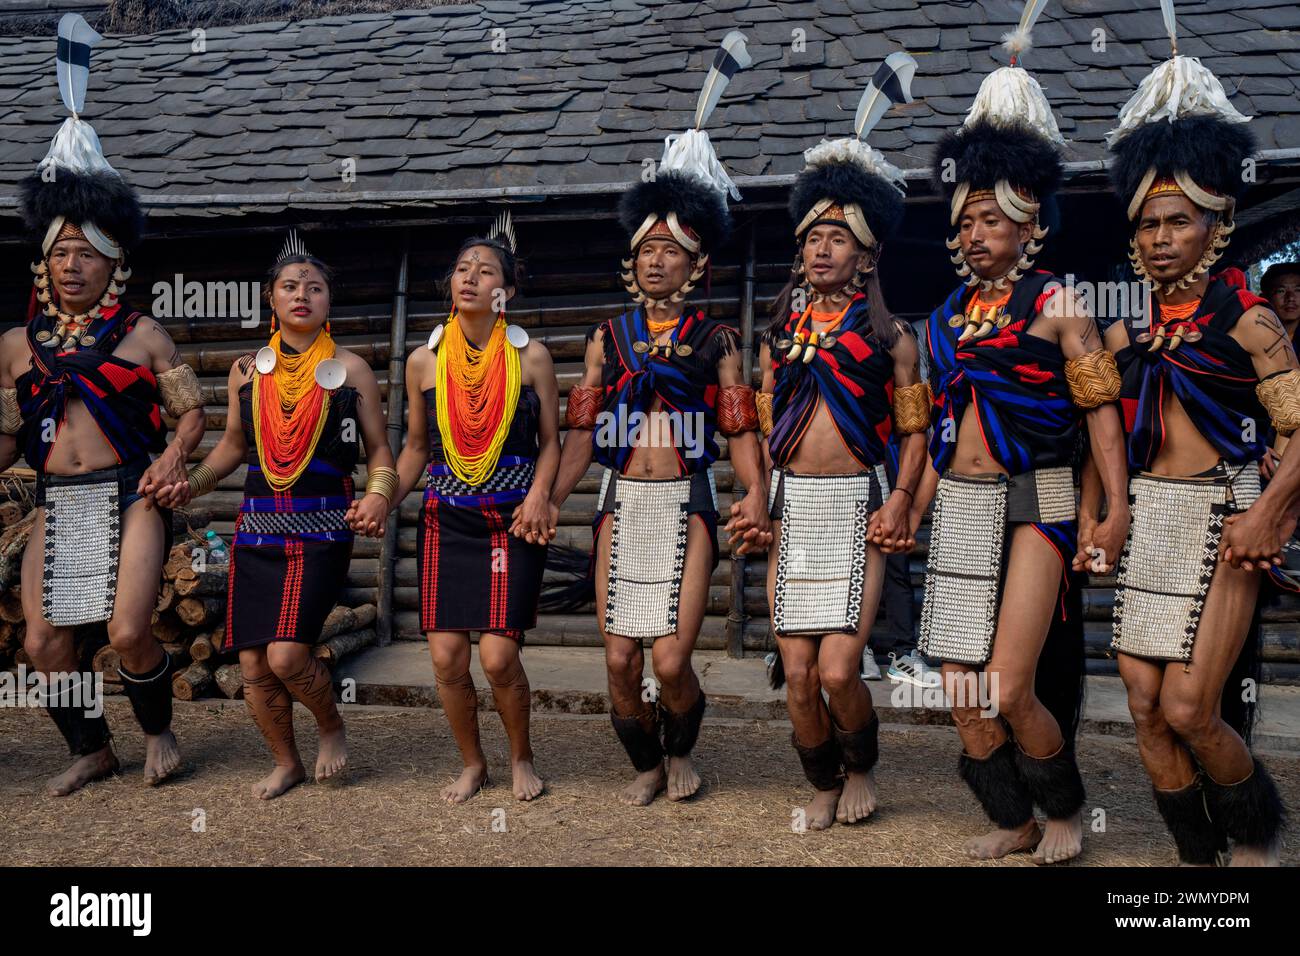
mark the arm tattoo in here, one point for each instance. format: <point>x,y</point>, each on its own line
<point>1091,339</point>
<point>1280,340</point>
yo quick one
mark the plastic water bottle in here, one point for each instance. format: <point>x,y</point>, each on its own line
<point>217,552</point>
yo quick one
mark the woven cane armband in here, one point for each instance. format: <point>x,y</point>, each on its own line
<point>1093,378</point>
<point>763,400</point>
<point>912,408</point>
<point>1280,396</point>
<point>737,410</point>
<point>584,406</point>
<point>11,419</point>
<point>180,390</point>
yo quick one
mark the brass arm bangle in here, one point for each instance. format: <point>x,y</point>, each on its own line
<point>383,481</point>
<point>202,480</point>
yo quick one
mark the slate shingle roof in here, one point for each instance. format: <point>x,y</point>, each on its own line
<point>587,89</point>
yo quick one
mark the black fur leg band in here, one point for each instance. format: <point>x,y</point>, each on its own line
<point>1185,814</point>
<point>682,730</point>
<point>151,696</point>
<point>85,735</point>
<point>997,784</point>
<point>1250,812</point>
<point>642,745</point>
<point>821,764</point>
<point>1053,782</point>
<point>860,749</point>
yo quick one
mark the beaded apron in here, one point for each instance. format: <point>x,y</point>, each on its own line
<point>822,555</point>
<point>1170,556</point>
<point>963,574</point>
<point>647,551</point>
<point>83,538</point>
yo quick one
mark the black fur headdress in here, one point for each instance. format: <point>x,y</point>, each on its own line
<point>845,183</point>
<point>982,154</point>
<point>698,206</point>
<point>101,197</point>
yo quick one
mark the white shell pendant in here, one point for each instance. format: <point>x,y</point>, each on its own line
<point>517,336</point>
<point>436,336</point>
<point>265,360</point>
<point>330,374</point>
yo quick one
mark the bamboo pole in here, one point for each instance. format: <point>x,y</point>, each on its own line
<point>396,414</point>
<point>736,611</point>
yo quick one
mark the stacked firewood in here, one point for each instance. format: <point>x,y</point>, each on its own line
<point>189,619</point>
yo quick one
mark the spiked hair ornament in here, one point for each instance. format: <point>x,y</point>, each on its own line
<point>75,193</point>
<point>1179,134</point>
<point>293,246</point>
<point>685,199</point>
<point>1007,150</point>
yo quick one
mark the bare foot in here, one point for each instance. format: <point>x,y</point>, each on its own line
<point>333,757</point>
<point>161,757</point>
<point>641,791</point>
<point>1254,855</point>
<point>820,812</point>
<point>999,843</point>
<point>858,801</point>
<point>527,784</point>
<point>470,781</point>
<point>1062,840</point>
<point>683,781</point>
<point>102,763</point>
<point>278,781</point>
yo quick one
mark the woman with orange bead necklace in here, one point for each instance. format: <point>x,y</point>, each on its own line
<point>484,418</point>
<point>296,413</point>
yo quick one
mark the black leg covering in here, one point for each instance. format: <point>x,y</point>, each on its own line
<point>1184,811</point>
<point>860,749</point>
<point>1053,782</point>
<point>1250,812</point>
<point>997,784</point>
<point>682,730</point>
<point>85,735</point>
<point>151,696</point>
<point>821,764</point>
<point>642,745</point>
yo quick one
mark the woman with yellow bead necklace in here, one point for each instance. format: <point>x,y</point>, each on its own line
<point>297,413</point>
<point>484,418</point>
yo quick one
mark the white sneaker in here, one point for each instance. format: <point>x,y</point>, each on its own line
<point>911,668</point>
<point>870,669</point>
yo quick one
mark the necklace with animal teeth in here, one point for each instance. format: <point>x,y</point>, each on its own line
<point>70,330</point>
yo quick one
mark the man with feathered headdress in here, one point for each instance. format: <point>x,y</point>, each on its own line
<point>1204,371</point>
<point>840,379</point>
<point>661,381</point>
<point>1016,366</point>
<point>82,389</point>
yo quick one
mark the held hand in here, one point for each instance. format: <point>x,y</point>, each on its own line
<point>176,495</point>
<point>368,515</point>
<point>167,469</point>
<point>890,527</point>
<point>535,519</point>
<point>1268,464</point>
<point>1108,542</point>
<point>1254,539</point>
<point>750,526</point>
<point>1083,557</point>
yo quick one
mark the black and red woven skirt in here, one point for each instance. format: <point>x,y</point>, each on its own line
<point>474,574</point>
<point>289,562</point>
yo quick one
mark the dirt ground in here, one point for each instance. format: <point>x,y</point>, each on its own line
<point>388,811</point>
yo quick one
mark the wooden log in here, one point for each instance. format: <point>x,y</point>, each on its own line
<point>11,607</point>
<point>22,657</point>
<point>190,683</point>
<point>180,558</point>
<point>230,681</point>
<point>166,596</point>
<point>106,660</point>
<point>11,512</point>
<point>167,629</point>
<point>197,612</point>
<point>202,648</point>
<point>338,621</point>
<point>366,615</point>
<point>212,581</point>
<point>341,645</point>
<point>179,652</point>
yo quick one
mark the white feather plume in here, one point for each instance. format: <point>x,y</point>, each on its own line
<point>893,76</point>
<point>1010,97</point>
<point>1018,41</point>
<point>851,150</point>
<point>1176,88</point>
<point>731,49</point>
